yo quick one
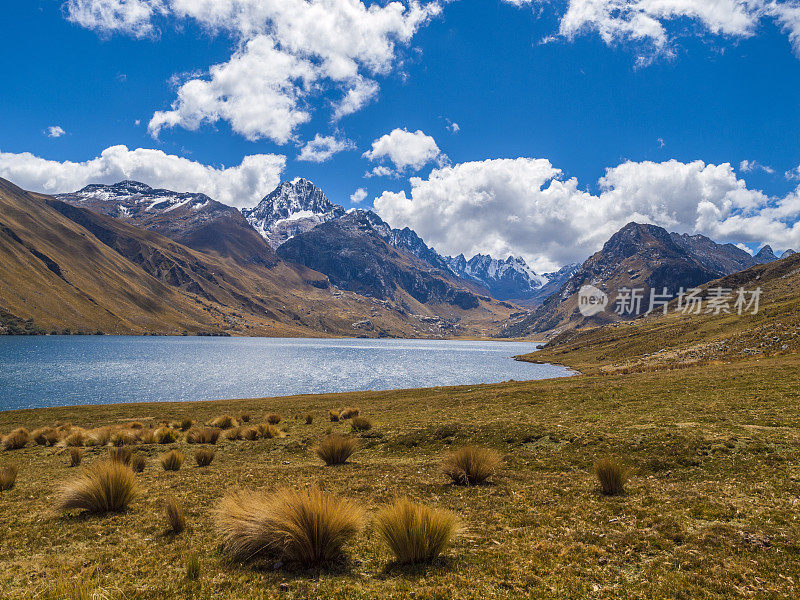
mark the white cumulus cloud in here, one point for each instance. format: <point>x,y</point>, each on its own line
<point>55,131</point>
<point>405,150</point>
<point>525,207</point>
<point>287,52</point>
<point>321,148</point>
<point>358,196</point>
<point>648,22</point>
<point>240,186</point>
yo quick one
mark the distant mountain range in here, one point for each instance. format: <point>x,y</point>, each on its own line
<point>645,257</point>
<point>298,264</point>
<point>127,258</point>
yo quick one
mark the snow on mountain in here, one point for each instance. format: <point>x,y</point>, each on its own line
<point>127,199</point>
<point>294,207</point>
<point>509,279</point>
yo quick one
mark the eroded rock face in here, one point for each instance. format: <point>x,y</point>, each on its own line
<point>356,254</point>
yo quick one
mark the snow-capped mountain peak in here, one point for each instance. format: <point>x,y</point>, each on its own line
<point>126,199</point>
<point>292,208</point>
<point>509,279</point>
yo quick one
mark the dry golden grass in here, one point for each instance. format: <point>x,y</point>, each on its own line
<point>138,463</point>
<point>249,433</point>
<point>471,465</point>
<point>360,424</point>
<point>267,431</point>
<point>104,486</point>
<point>202,435</point>
<point>308,527</point>
<point>176,519</point>
<point>203,456</point>
<point>165,435</point>
<point>8,477</point>
<point>348,413</point>
<point>309,419</point>
<point>273,418</point>
<point>77,437</point>
<point>172,460</point>
<point>244,418</point>
<point>335,449</point>
<point>192,564</point>
<point>16,440</point>
<point>99,436</point>
<point>148,436</point>
<point>185,424</point>
<point>120,454</point>
<point>234,433</point>
<point>334,415</point>
<point>414,532</point>
<point>222,422</point>
<point>612,476</point>
<point>75,456</point>
<point>45,436</point>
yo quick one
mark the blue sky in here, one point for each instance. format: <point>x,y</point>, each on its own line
<point>583,103</point>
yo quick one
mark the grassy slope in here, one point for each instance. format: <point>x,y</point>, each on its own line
<point>678,340</point>
<point>710,511</point>
<point>136,281</point>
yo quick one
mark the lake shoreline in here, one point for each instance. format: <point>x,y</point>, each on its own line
<point>73,371</point>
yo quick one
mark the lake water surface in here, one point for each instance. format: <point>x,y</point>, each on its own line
<point>70,370</point>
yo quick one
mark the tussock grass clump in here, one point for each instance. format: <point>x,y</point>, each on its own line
<point>76,438</point>
<point>104,486</point>
<point>63,588</point>
<point>202,435</point>
<point>203,456</point>
<point>176,519</point>
<point>471,465</point>
<point>360,424</point>
<point>249,433</point>
<point>148,436</point>
<point>138,463</point>
<point>348,413</point>
<point>121,454</point>
<point>244,418</point>
<point>185,424</point>
<point>309,419</point>
<point>121,438</point>
<point>235,433</point>
<point>611,475</point>
<point>45,436</point>
<point>192,562</point>
<point>415,533</point>
<point>99,437</point>
<point>308,527</point>
<point>267,431</point>
<point>8,477</point>
<point>17,439</point>
<point>335,449</point>
<point>334,415</point>
<point>75,456</point>
<point>165,435</point>
<point>172,460</point>
<point>136,425</point>
<point>273,418</point>
<point>222,422</point>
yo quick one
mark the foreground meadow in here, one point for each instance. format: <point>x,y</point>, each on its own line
<point>710,509</point>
